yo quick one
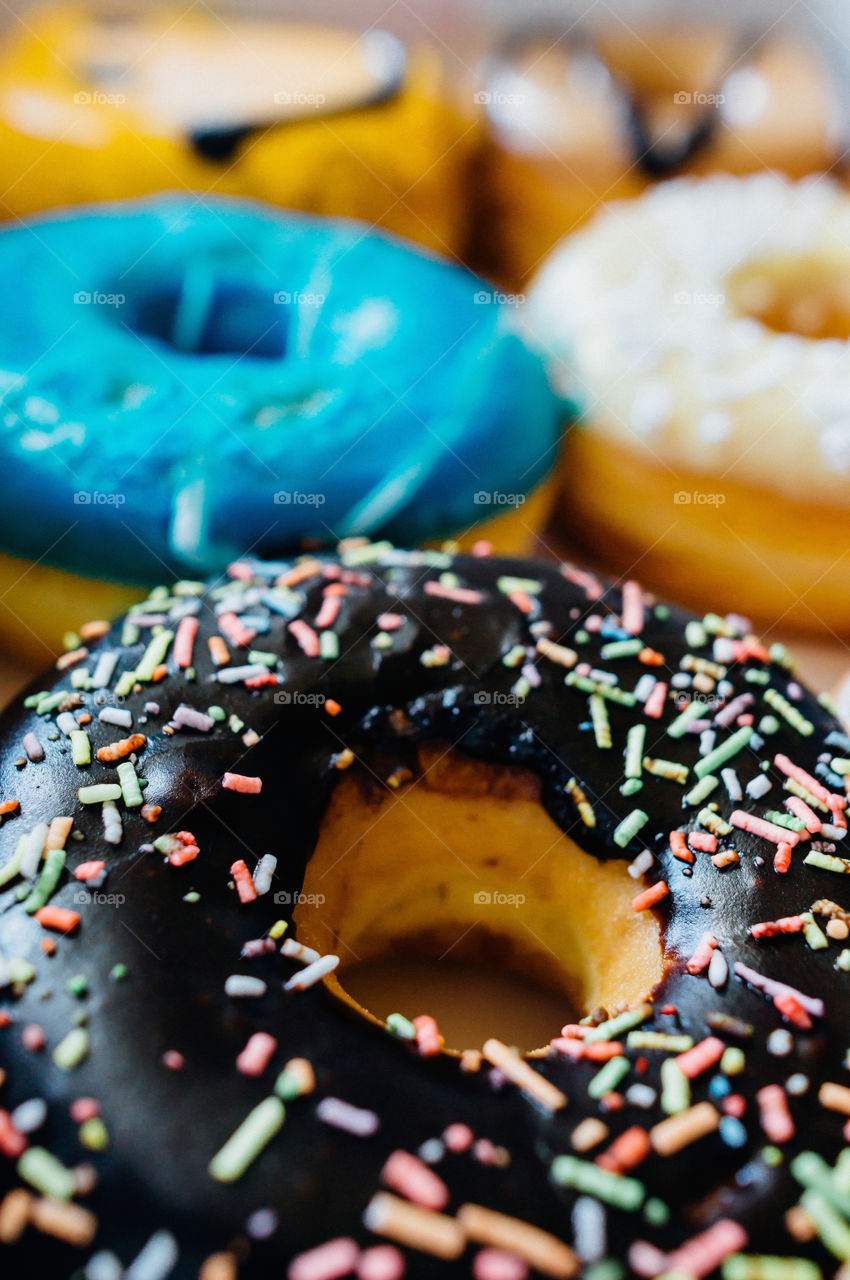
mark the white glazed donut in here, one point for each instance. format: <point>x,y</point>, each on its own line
<point>703,332</point>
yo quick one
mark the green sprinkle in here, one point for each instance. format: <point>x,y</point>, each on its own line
<point>659,1040</point>
<point>581,636</point>
<point>259,655</point>
<point>49,702</point>
<point>774,699</point>
<point>720,755</point>
<point>733,1061</point>
<point>843,961</point>
<point>608,1077</point>
<point>612,1188</point>
<point>129,784</point>
<point>840,766</point>
<point>216,712</point>
<point>656,1212</point>
<point>788,820</point>
<point>812,932</point>
<point>154,655</point>
<point>631,787</point>
<point>375,550</point>
<point>530,586</point>
<point>601,724</point>
<point>611,692</point>
<point>619,1025</point>
<point>19,971</point>
<point>99,792</point>
<point>768,724</point>
<point>12,867</point>
<point>827,862</point>
<point>522,688</point>
<point>621,649</point>
<point>80,748</point>
<point>780,655</point>
<point>235,725</point>
<point>756,677</point>
<point>832,1229</point>
<point>71,1051</point>
<point>192,896</point>
<point>675,1088</point>
<point>702,790</point>
<point>329,645</point>
<point>695,635</point>
<point>635,741</point>
<point>629,827</point>
<point>93,1134</point>
<point>668,769</point>
<point>78,985</point>
<point>764,1266</point>
<point>242,1147</point>
<point>118,972</point>
<point>44,1172</point>
<point>691,712</point>
<point>45,886</point>
<point>607,1269</point>
<point>514,656</point>
<point>713,822</point>
<point>124,684</point>
<point>398,1025</point>
<point>813,1173</point>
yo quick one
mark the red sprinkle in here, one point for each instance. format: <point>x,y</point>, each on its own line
<point>244,883</point>
<point>184,641</point>
<point>59,918</point>
<point>650,896</point>
<point>240,782</point>
<point>306,637</point>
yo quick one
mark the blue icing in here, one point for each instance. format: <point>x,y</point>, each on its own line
<point>218,378</point>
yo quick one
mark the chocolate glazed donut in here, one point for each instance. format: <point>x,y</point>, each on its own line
<point>223,724</point>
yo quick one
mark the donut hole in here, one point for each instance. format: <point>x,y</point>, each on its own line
<point>456,895</point>
<point>201,316</point>
<point>808,295</point>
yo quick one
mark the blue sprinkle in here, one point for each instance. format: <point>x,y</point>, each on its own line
<point>719,1087</point>
<point>733,1132</point>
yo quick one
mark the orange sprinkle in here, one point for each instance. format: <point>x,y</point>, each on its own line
<point>88,870</point>
<point>241,782</point>
<point>299,573</point>
<point>117,750</point>
<point>94,630</point>
<point>522,600</point>
<point>627,1151</point>
<point>649,897</point>
<point>679,847</point>
<point>9,806</point>
<point>71,659</point>
<point>151,812</point>
<point>218,651</point>
<point>159,673</point>
<point>332,707</point>
<point>59,918</point>
<point>782,858</point>
<point>651,657</point>
<point>48,946</point>
<point>184,641</point>
<point>654,705</point>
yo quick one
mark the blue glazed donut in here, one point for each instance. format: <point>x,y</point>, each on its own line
<point>183,382</point>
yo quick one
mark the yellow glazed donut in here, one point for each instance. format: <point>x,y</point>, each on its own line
<point>702,331</point>
<point>97,104</point>
<point>579,117</point>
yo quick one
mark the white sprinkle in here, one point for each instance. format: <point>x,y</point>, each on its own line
<point>104,670</point>
<point>780,1042</point>
<point>718,969</point>
<point>104,1265</point>
<point>706,741</point>
<point>313,973</point>
<point>232,675</point>
<point>641,1095</point>
<point>589,1229</point>
<point>797,1085</point>
<point>342,1115</point>
<point>239,985</point>
<point>66,723</point>
<point>30,1115</point>
<point>32,850</point>
<point>644,687</point>
<point>732,783</point>
<point>113,828</point>
<point>833,833</point>
<point>758,786</point>
<point>157,1259</point>
<point>264,873</point>
<point>117,716</point>
<point>297,951</point>
<point>641,864</point>
<point>651,406</point>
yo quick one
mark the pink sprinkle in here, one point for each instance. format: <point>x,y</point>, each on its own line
<point>460,595</point>
<point>760,827</point>
<point>495,1264</point>
<point>703,841</point>
<point>184,641</point>
<point>458,1137</point>
<point>244,883</point>
<point>32,747</point>
<point>482,548</point>
<point>773,989</point>
<point>328,1262</point>
<point>173,1060</point>
<point>632,608</point>
<point>351,1119</point>
<point>383,1262</point>
<point>33,1037</point>
<point>429,1042</point>
<point>83,1109</point>
<point>704,1253</point>
<point>328,613</point>
<point>701,958</point>
<point>735,1104</point>
<point>307,639</point>
<point>89,870</point>
<point>390,621</point>
<point>806,780</point>
<point>241,570</point>
<point>654,704</point>
<point>257,1054</point>
<point>484,1151</point>
<point>727,715</point>
<point>801,810</point>
<point>591,586</point>
<point>234,631</point>
<point>775,1117</point>
<point>239,782</point>
<point>694,1061</point>
<point>411,1178</point>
